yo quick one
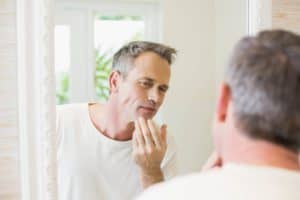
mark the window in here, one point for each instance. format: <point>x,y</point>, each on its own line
<point>62,62</point>
<point>110,33</point>
<point>86,37</point>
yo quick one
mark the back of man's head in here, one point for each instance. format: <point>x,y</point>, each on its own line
<point>264,80</point>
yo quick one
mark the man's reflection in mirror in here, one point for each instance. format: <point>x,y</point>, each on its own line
<point>114,150</point>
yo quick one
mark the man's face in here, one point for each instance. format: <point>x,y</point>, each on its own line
<point>143,90</point>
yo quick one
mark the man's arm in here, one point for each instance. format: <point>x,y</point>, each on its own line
<point>149,148</point>
<point>149,178</point>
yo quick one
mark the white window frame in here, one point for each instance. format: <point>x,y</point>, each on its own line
<point>82,88</point>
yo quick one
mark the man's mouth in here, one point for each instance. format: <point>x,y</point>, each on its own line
<point>148,109</point>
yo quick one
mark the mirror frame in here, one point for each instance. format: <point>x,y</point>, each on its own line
<point>36,99</point>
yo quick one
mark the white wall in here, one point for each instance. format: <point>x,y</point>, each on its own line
<point>286,15</point>
<point>189,26</point>
<point>204,32</point>
<point>231,25</point>
<point>9,175</point>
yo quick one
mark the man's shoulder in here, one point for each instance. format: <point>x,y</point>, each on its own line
<point>71,109</point>
<point>230,182</point>
<point>191,186</point>
<point>70,112</point>
<point>181,187</point>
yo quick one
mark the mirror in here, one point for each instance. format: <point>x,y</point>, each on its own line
<point>72,30</point>
<point>88,33</point>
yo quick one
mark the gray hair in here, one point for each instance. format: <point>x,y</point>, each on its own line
<point>123,59</point>
<point>264,80</point>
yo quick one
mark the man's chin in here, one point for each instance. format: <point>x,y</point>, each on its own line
<point>145,115</point>
<point>140,115</point>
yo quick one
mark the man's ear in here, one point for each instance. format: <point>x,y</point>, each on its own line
<point>114,79</point>
<point>223,102</point>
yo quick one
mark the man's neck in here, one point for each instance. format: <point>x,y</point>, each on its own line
<point>108,122</point>
<point>259,152</point>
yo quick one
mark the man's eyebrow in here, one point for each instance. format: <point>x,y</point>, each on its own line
<point>152,80</point>
<point>147,79</point>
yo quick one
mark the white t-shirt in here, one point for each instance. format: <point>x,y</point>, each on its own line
<point>232,182</point>
<point>92,166</point>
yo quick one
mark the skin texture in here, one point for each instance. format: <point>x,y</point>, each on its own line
<point>134,100</point>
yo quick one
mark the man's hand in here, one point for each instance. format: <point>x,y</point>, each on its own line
<point>214,161</point>
<point>149,148</point>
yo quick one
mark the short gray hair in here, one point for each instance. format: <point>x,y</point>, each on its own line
<point>264,79</point>
<point>123,59</point>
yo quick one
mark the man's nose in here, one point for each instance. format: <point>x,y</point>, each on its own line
<point>154,96</point>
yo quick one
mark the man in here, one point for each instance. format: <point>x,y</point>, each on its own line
<point>256,127</point>
<point>114,150</point>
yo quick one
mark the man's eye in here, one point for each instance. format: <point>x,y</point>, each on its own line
<point>163,89</point>
<point>145,84</point>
